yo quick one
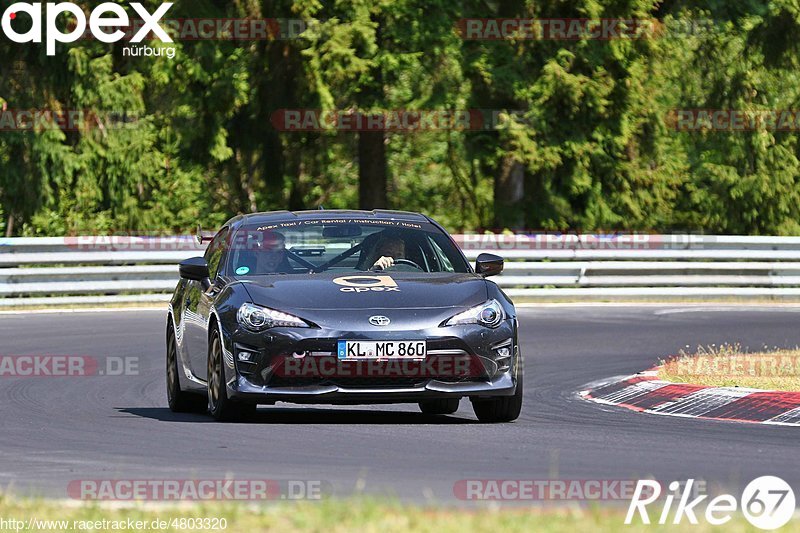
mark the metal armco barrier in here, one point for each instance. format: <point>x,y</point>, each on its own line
<point>97,270</point>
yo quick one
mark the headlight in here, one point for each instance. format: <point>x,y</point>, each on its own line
<point>489,314</point>
<point>257,318</point>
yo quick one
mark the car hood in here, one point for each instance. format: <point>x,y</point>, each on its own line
<point>371,290</point>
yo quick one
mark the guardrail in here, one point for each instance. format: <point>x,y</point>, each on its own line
<point>92,270</point>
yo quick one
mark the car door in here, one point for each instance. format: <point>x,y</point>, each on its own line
<point>199,303</point>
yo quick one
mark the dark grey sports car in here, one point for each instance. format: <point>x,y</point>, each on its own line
<point>341,307</point>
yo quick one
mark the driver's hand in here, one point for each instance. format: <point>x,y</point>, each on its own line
<point>383,263</point>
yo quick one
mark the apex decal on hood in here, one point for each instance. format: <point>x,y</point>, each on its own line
<point>366,290</point>
<point>361,283</point>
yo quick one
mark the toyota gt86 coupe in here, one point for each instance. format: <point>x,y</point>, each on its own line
<point>341,307</point>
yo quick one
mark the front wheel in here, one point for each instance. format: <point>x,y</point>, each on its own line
<point>219,405</point>
<point>501,408</point>
<point>179,401</point>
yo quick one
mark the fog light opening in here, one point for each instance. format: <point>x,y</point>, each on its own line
<point>247,357</point>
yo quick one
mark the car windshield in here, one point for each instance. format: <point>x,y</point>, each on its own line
<point>313,246</point>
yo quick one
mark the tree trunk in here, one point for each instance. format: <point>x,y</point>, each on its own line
<point>10,225</point>
<point>509,195</point>
<point>372,166</point>
<point>372,170</point>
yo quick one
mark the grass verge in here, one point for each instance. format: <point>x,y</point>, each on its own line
<point>329,516</point>
<point>729,365</point>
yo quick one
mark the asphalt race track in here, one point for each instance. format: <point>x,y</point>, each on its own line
<point>56,430</point>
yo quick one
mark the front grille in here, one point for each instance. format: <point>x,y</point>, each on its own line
<point>448,367</point>
<point>313,362</point>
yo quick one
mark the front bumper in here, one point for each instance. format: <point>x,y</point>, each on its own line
<point>505,385</point>
<point>491,371</point>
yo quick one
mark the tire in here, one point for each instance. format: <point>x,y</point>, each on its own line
<point>219,405</point>
<point>501,408</point>
<point>440,407</point>
<point>179,401</point>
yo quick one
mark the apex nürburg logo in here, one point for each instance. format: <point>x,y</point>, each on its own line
<point>367,284</point>
<point>102,20</point>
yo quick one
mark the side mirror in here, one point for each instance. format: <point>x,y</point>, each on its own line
<point>489,265</point>
<point>194,269</point>
<point>201,237</point>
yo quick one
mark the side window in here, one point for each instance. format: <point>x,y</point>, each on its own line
<point>215,252</point>
<point>444,263</point>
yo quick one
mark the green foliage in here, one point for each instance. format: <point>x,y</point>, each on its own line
<point>170,142</point>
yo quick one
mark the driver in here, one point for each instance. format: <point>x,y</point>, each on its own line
<point>386,252</point>
<point>263,253</point>
<point>271,255</point>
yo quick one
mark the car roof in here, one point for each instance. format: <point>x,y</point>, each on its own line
<point>378,214</point>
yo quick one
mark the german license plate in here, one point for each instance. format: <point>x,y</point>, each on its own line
<point>366,350</point>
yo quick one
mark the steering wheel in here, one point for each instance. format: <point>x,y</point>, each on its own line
<point>407,262</point>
